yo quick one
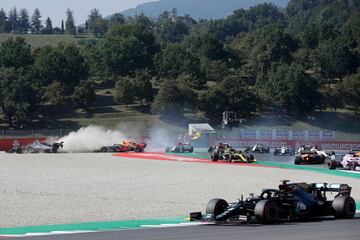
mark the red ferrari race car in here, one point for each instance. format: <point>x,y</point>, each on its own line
<point>124,146</point>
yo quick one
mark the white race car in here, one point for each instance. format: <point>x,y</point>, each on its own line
<point>350,161</point>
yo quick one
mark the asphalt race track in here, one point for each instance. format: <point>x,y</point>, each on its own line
<point>321,229</point>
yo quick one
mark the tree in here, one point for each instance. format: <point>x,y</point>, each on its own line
<point>143,86</point>
<point>48,27</point>
<point>84,95</point>
<point>64,63</point>
<point>15,53</point>
<point>232,94</point>
<point>24,22</point>
<point>62,27</point>
<point>350,89</point>
<point>290,88</point>
<point>126,49</point>
<point>55,94</point>
<point>4,24</point>
<point>173,99</point>
<point>175,60</point>
<point>116,18</point>
<point>124,91</point>
<point>336,59</point>
<point>97,24</point>
<point>17,96</point>
<point>70,23</point>
<point>13,20</point>
<point>36,23</point>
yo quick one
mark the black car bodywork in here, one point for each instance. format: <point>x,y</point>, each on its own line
<point>290,202</point>
<point>180,148</point>
<point>258,148</point>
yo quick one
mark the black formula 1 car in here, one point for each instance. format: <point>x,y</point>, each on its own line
<point>284,151</point>
<point>290,202</point>
<point>224,152</point>
<point>258,148</point>
<point>309,157</point>
<point>180,148</point>
<point>37,147</point>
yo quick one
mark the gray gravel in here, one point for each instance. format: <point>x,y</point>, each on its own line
<point>39,189</point>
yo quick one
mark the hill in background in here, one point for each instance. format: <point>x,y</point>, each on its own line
<point>197,9</point>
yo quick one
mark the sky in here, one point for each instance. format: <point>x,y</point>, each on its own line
<point>55,9</point>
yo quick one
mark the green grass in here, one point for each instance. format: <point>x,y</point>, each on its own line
<point>42,40</point>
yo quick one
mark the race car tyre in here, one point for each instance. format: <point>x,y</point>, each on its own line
<point>275,152</point>
<point>167,149</point>
<point>18,151</point>
<point>210,149</point>
<point>252,158</point>
<point>181,149</point>
<point>353,166</point>
<point>344,207</point>
<point>332,165</point>
<point>322,159</point>
<point>215,207</point>
<point>214,157</point>
<point>266,211</point>
<point>191,149</point>
<point>267,150</point>
<point>297,161</point>
<point>103,149</point>
<point>138,149</point>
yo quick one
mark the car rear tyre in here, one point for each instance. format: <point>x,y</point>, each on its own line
<point>266,211</point>
<point>332,165</point>
<point>344,207</point>
<point>215,207</point>
<point>103,149</point>
<point>214,157</point>
<point>297,161</point>
<point>167,149</point>
<point>191,149</point>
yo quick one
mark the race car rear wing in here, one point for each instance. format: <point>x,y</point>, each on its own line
<point>342,189</point>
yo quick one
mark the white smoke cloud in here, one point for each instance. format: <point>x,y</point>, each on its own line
<point>90,139</point>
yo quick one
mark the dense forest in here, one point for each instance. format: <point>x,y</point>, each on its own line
<point>296,60</point>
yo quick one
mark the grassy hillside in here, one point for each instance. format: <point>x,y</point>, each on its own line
<point>42,40</point>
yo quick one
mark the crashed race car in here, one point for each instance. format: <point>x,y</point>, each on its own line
<point>284,151</point>
<point>349,161</point>
<point>224,152</point>
<point>258,148</point>
<point>309,157</point>
<point>290,202</point>
<point>180,148</point>
<point>37,147</point>
<point>124,146</point>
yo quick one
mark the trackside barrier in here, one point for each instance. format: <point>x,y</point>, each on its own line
<point>329,145</point>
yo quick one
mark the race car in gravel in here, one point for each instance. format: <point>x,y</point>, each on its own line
<point>349,161</point>
<point>37,147</point>
<point>288,202</point>
<point>180,148</point>
<point>284,151</point>
<point>309,157</point>
<point>258,148</point>
<point>124,146</point>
